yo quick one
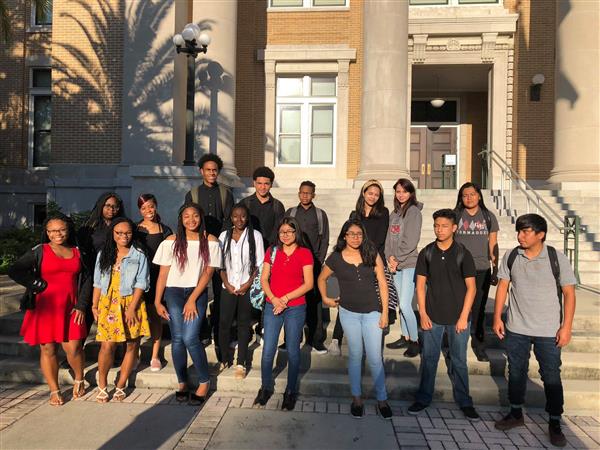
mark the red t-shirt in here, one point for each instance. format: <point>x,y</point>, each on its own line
<point>287,272</point>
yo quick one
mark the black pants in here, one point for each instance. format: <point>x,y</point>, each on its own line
<point>210,327</point>
<point>235,307</point>
<point>482,282</point>
<point>314,319</point>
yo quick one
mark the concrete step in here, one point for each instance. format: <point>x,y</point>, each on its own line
<point>485,390</point>
<point>576,365</point>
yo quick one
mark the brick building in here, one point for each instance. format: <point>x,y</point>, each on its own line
<point>92,96</point>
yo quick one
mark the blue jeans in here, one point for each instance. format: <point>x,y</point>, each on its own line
<point>364,328</point>
<point>405,286</point>
<point>457,364</point>
<point>292,319</point>
<point>518,348</point>
<point>185,336</point>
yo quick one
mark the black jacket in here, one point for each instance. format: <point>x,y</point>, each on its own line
<point>28,268</point>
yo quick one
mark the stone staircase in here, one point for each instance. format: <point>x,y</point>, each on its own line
<point>325,375</point>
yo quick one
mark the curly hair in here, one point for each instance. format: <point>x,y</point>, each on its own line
<point>210,157</point>
<point>71,237</point>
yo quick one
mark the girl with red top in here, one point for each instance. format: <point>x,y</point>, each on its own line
<point>55,275</point>
<point>285,282</point>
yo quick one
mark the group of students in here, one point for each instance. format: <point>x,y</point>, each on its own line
<point>128,277</point>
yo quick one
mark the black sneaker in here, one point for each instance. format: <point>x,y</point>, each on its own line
<point>400,343</point>
<point>470,413</point>
<point>263,396</point>
<point>413,349</point>
<point>384,411</point>
<point>289,401</point>
<point>557,438</point>
<point>416,408</point>
<point>357,411</point>
<point>282,348</point>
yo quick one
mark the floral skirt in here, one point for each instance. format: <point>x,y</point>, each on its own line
<point>112,326</point>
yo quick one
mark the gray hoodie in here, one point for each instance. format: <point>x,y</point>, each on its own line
<point>403,236</point>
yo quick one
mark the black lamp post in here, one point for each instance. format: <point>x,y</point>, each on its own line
<point>191,41</point>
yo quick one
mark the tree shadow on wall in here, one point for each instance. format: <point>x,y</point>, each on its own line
<point>138,106</point>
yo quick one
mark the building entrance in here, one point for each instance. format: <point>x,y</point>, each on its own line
<point>433,158</point>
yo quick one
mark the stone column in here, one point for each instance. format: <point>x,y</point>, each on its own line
<point>385,90</point>
<point>577,93</point>
<point>215,97</point>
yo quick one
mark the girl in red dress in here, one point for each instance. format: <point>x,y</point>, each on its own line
<point>53,271</point>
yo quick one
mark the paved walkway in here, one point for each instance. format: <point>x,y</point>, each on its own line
<point>150,418</point>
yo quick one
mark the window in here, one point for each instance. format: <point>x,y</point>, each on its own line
<point>39,214</point>
<point>306,110</point>
<point>308,3</point>
<point>40,117</point>
<point>42,16</point>
<point>451,2</point>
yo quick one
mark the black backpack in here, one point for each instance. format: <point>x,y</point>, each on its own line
<point>460,254</point>
<point>554,265</point>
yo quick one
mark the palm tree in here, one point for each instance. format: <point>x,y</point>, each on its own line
<point>5,28</point>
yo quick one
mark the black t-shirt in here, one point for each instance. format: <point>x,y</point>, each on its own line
<point>376,228</point>
<point>446,286</point>
<point>357,284</point>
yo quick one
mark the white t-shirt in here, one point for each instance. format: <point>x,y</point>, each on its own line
<point>238,265</point>
<point>189,276</point>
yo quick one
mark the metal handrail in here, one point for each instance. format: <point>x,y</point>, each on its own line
<point>508,175</point>
<point>568,225</point>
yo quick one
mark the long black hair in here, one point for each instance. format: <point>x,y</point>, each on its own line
<point>108,255</point>
<point>378,208</point>
<point>412,200</point>
<point>292,222</point>
<point>249,236</point>
<point>96,218</point>
<point>368,252</point>
<point>180,245</point>
<point>460,206</point>
<point>71,238</point>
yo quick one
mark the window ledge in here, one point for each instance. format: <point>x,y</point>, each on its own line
<point>39,29</point>
<point>276,9</point>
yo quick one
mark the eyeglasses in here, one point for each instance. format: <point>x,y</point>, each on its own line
<point>113,207</point>
<point>59,231</point>
<point>287,233</point>
<point>354,235</point>
<point>124,233</point>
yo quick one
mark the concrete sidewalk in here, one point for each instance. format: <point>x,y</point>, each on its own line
<point>150,418</point>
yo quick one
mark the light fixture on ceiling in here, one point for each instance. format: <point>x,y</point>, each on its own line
<point>437,102</point>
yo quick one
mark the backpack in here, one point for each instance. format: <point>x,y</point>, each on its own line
<point>319,212</point>
<point>460,255</point>
<point>554,265</point>
<point>257,295</point>
<point>195,192</point>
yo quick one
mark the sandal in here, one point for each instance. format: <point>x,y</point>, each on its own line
<point>77,389</point>
<point>58,400</point>
<point>119,394</point>
<point>102,396</point>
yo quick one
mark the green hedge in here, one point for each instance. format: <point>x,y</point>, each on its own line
<point>16,241</point>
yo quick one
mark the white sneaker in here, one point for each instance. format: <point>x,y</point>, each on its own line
<point>334,348</point>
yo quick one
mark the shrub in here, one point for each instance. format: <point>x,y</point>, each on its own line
<point>15,242</point>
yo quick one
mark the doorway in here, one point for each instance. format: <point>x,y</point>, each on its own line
<point>429,164</point>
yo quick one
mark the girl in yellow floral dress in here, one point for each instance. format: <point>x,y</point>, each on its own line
<point>121,276</point>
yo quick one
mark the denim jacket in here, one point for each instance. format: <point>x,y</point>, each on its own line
<point>134,273</point>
